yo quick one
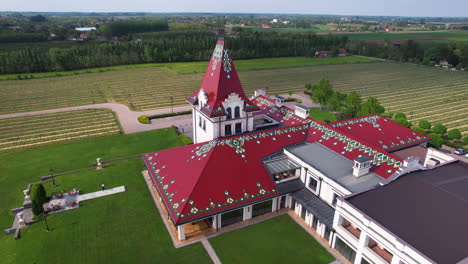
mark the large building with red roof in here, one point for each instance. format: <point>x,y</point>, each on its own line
<point>253,155</point>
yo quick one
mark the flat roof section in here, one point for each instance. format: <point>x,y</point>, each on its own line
<point>427,209</point>
<point>334,166</point>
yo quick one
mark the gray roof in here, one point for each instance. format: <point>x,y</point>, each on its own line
<point>290,186</point>
<point>427,209</point>
<point>316,206</point>
<point>363,159</point>
<point>280,97</point>
<point>334,166</point>
<point>280,164</point>
<point>303,107</point>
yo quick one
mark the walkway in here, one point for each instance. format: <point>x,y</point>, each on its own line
<point>93,195</point>
<point>206,244</point>
<point>128,118</point>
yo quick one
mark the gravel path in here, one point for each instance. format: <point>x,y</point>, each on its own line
<point>127,117</point>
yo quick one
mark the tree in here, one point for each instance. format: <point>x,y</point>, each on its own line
<point>459,66</point>
<point>371,106</point>
<point>436,141</point>
<point>321,92</point>
<point>336,101</point>
<point>439,129</point>
<point>424,124</point>
<point>419,130</point>
<point>353,104</point>
<point>291,92</point>
<point>38,198</point>
<point>38,18</point>
<point>308,86</point>
<point>402,121</point>
<point>465,140</point>
<point>454,134</point>
<point>399,115</point>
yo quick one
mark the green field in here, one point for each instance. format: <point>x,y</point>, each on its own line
<point>278,240</point>
<point>121,228</point>
<point>421,92</point>
<point>32,131</point>
<point>321,115</point>
<point>423,35</point>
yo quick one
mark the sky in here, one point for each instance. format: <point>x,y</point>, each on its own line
<point>434,8</point>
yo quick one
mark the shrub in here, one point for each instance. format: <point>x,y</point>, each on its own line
<point>439,129</point>
<point>454,134</point>
<point>170,114</point>
<point>308,86</point>
<point>465,140</point>
<point>186,140</point>
<point>402,121</point>
<point>38,198</point>
<point>144,119</point>
<point>399,115</point>
<point>419,130</point>
<point>424,124</point>
<point>292,99</point>
<point>436,141</point>
<point>291,92</point>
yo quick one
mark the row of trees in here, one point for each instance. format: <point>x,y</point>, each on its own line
<point>162,47</point>
<point>348,105</point>
<point>426,53</point>
<point>127,27</point>
<point>438,133</point>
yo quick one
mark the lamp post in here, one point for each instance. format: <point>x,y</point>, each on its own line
<point>53,177</point>
<point>45,220</point>
<point>172,104</point>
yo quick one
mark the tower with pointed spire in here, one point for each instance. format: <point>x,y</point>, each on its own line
<point>220,106</point>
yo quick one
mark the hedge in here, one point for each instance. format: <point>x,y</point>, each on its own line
<point>292,99</point>
<point>186,140</point>
<point>170,114</point>
<point>38,198</point>
<point>144,119</point>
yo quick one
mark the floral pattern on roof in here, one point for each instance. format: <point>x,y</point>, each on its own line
<point>381,132</point>
<point>195,181</point>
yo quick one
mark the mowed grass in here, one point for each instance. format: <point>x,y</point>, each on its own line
<point>121,228</point>
<point>278,240</point>
<point>421,92</point>
<point>458,35</point>
<point>37,130</point>
<point>321,115</point>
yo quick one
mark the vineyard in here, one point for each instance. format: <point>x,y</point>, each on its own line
<point>437,95</point>
<point>32,131</point>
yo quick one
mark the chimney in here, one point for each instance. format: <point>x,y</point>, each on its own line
<point>301,111</point>
<point>361,166</point>
<point>279,101</point>
<point>260,92</point>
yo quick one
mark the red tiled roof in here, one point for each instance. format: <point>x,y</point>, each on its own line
<point>380,131</point>
<point>207,178</point>
<point>219,82</point>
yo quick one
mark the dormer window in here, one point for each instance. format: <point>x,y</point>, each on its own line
<point>229,113</point>
<point>237,112</point>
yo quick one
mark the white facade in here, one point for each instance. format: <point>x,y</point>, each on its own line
<point>236,120</point>
<point>371,235</point>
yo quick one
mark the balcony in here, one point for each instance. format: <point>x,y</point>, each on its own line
<point>383,253</point>
<point>354,231</point>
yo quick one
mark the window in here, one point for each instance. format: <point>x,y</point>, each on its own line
<point>335,196</point>
<point>312,184</point>
<point>204,124</point>
<point>237,112</point>
<point>227,130</point>
<point>345,250</point>
<point>239,128</point>
<point>229,113</point>
<point>364,261</point>
<point>199,121</point>
<point>314,223</point>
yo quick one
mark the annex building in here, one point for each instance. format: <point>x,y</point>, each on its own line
<point>253,156</point>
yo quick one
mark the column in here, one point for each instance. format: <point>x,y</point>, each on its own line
<point>288,201</point>
<point>274,205</point>
<point>181,232</point>
<point>396,259</point>
<point>247,213</point>
<point>363,241</point>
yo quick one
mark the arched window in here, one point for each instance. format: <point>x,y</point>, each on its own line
<point>229,113</point>
<point>237,112</point>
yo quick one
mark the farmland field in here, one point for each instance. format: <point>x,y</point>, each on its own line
<point>32,131</point>
<point>458,35</point>
<point>420,92</point>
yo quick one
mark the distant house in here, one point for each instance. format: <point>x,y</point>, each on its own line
<point>84,36</point>
<point>85,29</point>
<point>285,22</point>
<point>15,28</point>
<point>266,26</point>
<point>387,29</point>
<point>342,52</point>
<point>322,53</point>
<point>275,20</point>
<point>52,36</point>
<point>445,64</point>
<point>71,38</point>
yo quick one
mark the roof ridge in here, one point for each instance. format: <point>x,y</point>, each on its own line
<point>201,173</point>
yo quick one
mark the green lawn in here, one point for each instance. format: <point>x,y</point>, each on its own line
<point>121,228</point>
<point>278,240</point>
<point>321,115</point>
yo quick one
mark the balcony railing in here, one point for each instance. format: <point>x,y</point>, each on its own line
<point>354,231</point>
<point>383,253</point>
